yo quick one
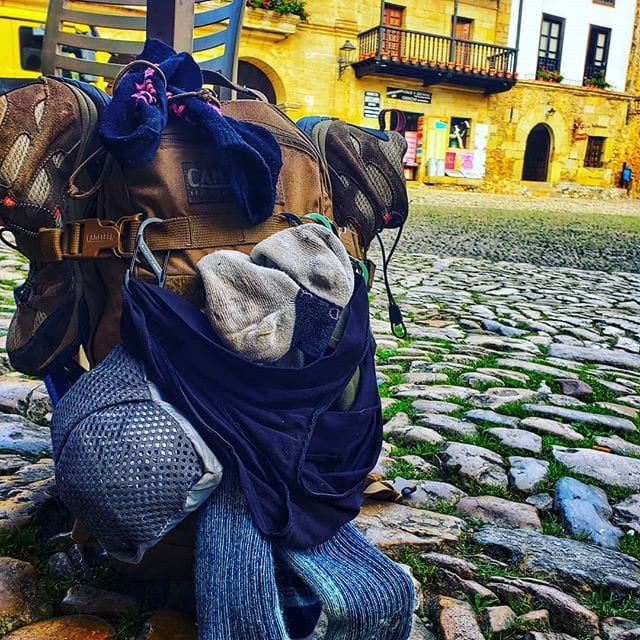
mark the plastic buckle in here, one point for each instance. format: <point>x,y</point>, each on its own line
<point>95,236</point>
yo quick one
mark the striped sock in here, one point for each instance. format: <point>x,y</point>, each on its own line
<point>301,606</point>
<point>366,595</point>
<point>236,593</point>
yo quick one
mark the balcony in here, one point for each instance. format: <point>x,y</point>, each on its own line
<point>435,59</point>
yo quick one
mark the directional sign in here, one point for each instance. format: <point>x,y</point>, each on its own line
<point>371,104</point>
<point>409,94</point>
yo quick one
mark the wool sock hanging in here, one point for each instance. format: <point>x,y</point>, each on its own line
<point>301,606</point>
<point>236,592</point>
<point>366,596</point>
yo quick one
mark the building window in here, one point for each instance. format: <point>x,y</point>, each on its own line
<point>595,149</point>
<point>597,52</point>
<point>550,46</point>
<point>462,31</point>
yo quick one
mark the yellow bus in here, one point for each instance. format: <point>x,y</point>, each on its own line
<point>22,26</point>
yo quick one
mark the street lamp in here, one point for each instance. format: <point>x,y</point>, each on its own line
<point>344,56</point>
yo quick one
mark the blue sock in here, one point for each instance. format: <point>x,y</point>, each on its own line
<point>366,596</point>
<point>300,605</point>
<point>236,592</point>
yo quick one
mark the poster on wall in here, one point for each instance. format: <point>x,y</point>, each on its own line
<point>480,138</point>
<point>450,161</point>
<point>466,162</point>
<point>420,140</point>
<point>409,159</point>
<point>436,143</point>
<point>371,104</point>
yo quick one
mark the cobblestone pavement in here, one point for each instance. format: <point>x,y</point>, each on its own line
<point>509,480</point>
<point>420,195</point>
<point>601,234</point>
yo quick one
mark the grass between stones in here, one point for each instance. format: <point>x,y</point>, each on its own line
<point>630,544</point>
<point>27,544</point>
<point>404,469</point>
<point>423,571</point>
<point>609,605</point>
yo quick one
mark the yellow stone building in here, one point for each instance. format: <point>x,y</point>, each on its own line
<point>446,64</point>
<point>466,76</point>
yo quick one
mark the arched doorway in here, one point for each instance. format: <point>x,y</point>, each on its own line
<point>537,154</point>
<point>250,76</point>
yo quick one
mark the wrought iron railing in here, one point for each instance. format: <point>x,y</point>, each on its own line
<point>595,70</point>
<point>550,64</point>
<point>427,49</point>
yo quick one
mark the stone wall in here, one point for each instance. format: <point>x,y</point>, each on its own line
<point>514,114</point>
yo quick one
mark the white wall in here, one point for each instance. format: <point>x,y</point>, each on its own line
<point>578,16</point>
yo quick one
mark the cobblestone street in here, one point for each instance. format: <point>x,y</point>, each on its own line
<point>511,410</point>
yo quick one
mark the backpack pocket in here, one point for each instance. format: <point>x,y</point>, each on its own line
<point>342,449</point>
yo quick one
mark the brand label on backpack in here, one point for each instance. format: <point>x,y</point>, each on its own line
<point>204,183</point>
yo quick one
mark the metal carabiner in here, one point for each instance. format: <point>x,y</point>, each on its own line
<point>149,261</point>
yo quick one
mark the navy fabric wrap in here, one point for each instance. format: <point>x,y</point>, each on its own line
<point>302,465</point>
<point>131,125</point>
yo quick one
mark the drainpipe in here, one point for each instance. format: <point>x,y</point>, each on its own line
<point>381,28</point>
<point>515,61</point>
<point>454,28</point>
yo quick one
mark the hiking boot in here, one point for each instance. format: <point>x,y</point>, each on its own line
<point>47,129</point>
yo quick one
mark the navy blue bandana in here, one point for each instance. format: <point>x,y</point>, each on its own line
<point>302,463</point>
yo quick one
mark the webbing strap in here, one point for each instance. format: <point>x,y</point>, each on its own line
<point>97,238</point>
<point>205,232</point>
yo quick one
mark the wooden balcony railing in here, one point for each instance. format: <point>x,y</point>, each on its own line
<point>384,43</point>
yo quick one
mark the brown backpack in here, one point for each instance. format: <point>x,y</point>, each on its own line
<point>182,186</point>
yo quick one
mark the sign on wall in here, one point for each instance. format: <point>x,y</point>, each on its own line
<point>409,94</point>
<point>371,104</point>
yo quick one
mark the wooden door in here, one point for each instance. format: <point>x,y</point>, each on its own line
<point>463,31</point>
<point>392,39</point>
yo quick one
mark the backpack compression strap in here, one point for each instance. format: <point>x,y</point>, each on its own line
<point>94,238</point>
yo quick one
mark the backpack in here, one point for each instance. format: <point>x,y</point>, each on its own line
<point>200,215</point>
<point>183,186</point>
